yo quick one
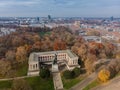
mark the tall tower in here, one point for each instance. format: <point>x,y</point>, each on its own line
<point>49,18</point>
<point>112,18</point>
<point>38,19</point>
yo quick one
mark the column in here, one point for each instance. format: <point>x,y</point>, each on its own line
<point>30,67</point>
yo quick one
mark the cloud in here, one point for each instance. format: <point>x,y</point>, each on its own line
<point>59,7</point>
<point>64,2</point>
<point>10,3</point>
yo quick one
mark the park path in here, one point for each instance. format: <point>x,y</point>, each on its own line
<point>6,79</point>
<point>85,82</point>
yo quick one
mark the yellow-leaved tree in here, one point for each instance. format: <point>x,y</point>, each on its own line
<point>104,75</point>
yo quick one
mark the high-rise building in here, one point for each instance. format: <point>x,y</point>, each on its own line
<point>49,18</point>
<point>112,18</point>
<point>38,19</point>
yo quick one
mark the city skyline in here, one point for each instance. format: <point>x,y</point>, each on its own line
<point>60,8</point>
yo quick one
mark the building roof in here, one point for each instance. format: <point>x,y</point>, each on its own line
<point>91,37</point>
<point>34,56</point>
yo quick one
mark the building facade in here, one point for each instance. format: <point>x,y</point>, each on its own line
<point>65,56</point>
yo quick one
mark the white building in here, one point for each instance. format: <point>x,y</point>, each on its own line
<point>6,31</point>
<point>108,37</point>
<point>96,39</point>
<point>65,56</point>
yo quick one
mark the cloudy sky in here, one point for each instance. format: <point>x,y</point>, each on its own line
<point>62,8</point>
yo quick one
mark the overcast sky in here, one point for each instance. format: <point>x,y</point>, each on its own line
<point>60,8</point>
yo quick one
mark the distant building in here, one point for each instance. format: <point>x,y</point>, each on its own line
<point>38,19</point>
<point>77,23</point>
<point>6,31</point>
<point>110,30</point>
<point>49,18</point>
<point>63,56</point>
<point>93,39</point>
<point>110,37</point>
<point>82,33</point>
<point>112,18</point>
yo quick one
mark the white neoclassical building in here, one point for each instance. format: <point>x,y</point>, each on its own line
<point>65,56</point>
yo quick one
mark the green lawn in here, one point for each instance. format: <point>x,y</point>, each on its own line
<point>5,84</point>
<point>22,70</point>
<point>40,84</point>
<point>35,82</point>
<point>92,85</point>
<point>68,83</point>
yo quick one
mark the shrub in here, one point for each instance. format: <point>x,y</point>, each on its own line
<point>44,73</point>
<point>67,74</point>
<point>71,74</point>
<point>76,72</point>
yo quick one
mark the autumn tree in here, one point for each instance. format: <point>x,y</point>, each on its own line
<point>5,68</point>
<point>59,45</point>
<point>104,75</point>
<point>109,50</point>
<point>21,54</point>
<point>28,48</point>
<point>74,49</point>
<point>82,51</point>
<point>10,55</point>
<point>118,55</point>
<point>36,38</point>
<point>37,46</point>
<point>114,67</point>
<point>89,63</point>
<point>17,41</point>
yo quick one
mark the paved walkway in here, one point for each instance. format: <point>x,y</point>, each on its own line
<point>6,79</point>
<point>58,85</point>
<point>85,82</point>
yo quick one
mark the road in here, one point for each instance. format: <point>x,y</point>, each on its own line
<point>85,82</point>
